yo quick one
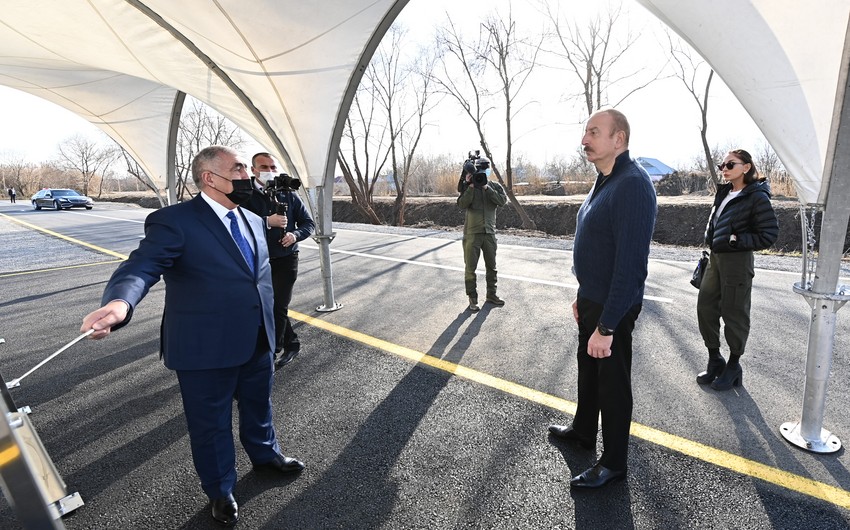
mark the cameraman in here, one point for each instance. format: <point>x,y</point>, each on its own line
<point>287,223</point>
<point>480,198</point>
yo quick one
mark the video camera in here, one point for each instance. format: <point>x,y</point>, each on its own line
<point>469,164</point>
<point>281,183</point>
<point>476,165</point>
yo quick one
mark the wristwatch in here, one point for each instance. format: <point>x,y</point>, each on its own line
<point>605,332</point>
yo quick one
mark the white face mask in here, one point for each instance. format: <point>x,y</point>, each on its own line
<point>487,172</point>
<point>265,177</point>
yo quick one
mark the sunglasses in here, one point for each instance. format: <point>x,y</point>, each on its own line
<point>728,165</point>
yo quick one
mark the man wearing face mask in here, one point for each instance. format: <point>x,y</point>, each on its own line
<point>480,197</point>
<point>283,232</point>
<point>217,325</point>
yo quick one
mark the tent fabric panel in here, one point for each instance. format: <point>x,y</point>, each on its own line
<point>134,112</point>
<point>296,76</point>
<point>784,72</point>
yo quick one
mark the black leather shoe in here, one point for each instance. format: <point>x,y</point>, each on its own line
<point>562,432</point>
<point>731,376</point>
<point>282,464</point>
<point>285,358</point>
<point>714,369</point>
<point>225,511</point>
<point>596,477</point>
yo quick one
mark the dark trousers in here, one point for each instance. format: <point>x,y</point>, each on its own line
<point>725,293</point>
<point>605,385</point>
<point>284,274</point>
<point>208,405</point>
<point>473,246</point>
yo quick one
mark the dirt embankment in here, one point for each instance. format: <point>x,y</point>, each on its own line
<point>681,220</point>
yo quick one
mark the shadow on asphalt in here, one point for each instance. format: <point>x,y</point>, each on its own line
<point>364,496</point>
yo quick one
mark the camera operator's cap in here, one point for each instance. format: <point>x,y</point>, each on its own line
<point>482,163</point>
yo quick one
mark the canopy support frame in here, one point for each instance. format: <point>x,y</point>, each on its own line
<point>822,292</point>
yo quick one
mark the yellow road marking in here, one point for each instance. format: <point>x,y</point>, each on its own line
<point>9,454</point>
<point>738,464</point>
<point>66,238</point>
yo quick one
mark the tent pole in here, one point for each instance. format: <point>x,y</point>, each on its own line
<point>809,433</point>
<point>824,294</point>
<point>171,148</point>
<point>323,237</point>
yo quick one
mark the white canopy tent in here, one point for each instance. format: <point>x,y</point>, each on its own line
<point>285,72</point>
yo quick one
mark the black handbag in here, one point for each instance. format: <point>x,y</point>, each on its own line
<point>699,270</point>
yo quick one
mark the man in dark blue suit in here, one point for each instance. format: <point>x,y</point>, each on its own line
<point>218,321</point>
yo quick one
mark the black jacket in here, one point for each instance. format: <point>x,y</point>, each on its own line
<point>749,216</point>
<point>298,218</point>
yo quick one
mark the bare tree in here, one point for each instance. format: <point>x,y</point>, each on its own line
<point>594,52</point>
<point>393,82</point>
<point>134,169</point>
<point>86,157</point>
<point>512,58</point>
<point>767,161</point>
<point>575,168</point>
<point>690,71</point>
<point>27,178</point>
<point>428,170</point>
<point>363,158</point>
<point>20,175</point>
<point>200,126</point>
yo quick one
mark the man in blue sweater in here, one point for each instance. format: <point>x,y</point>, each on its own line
<point>613,232</point>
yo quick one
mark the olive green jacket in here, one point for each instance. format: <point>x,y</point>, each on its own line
<point>480,205</point>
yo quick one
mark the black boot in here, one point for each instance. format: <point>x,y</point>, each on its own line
<point>733,375</point>
<point>714,369</point>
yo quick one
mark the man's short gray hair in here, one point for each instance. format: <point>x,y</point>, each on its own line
<point>205,158</point>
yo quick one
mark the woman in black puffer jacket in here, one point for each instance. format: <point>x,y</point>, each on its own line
<point>741,221</point>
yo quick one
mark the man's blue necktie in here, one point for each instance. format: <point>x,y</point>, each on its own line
<point>241,242</point>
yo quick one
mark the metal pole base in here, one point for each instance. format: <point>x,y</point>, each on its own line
<point>828,442</point>
<point>66,505</point>
<point>327,309</point>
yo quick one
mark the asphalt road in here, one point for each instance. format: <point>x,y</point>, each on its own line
<point>409,411</point>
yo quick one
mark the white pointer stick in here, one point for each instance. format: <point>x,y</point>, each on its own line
<point>16,382</point>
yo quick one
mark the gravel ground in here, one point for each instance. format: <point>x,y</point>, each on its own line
<point>35,250</point>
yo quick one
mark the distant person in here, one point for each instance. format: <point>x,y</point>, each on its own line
<point>480,197</point>
<point>283,232</point>
<point>217,324</point>
<point>742,220</point>
<point>613,231</point>
<point>13,195</point>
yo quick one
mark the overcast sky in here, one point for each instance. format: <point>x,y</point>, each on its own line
<point>664,118</point>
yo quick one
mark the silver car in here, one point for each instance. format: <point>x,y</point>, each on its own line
<point>60,200</point>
